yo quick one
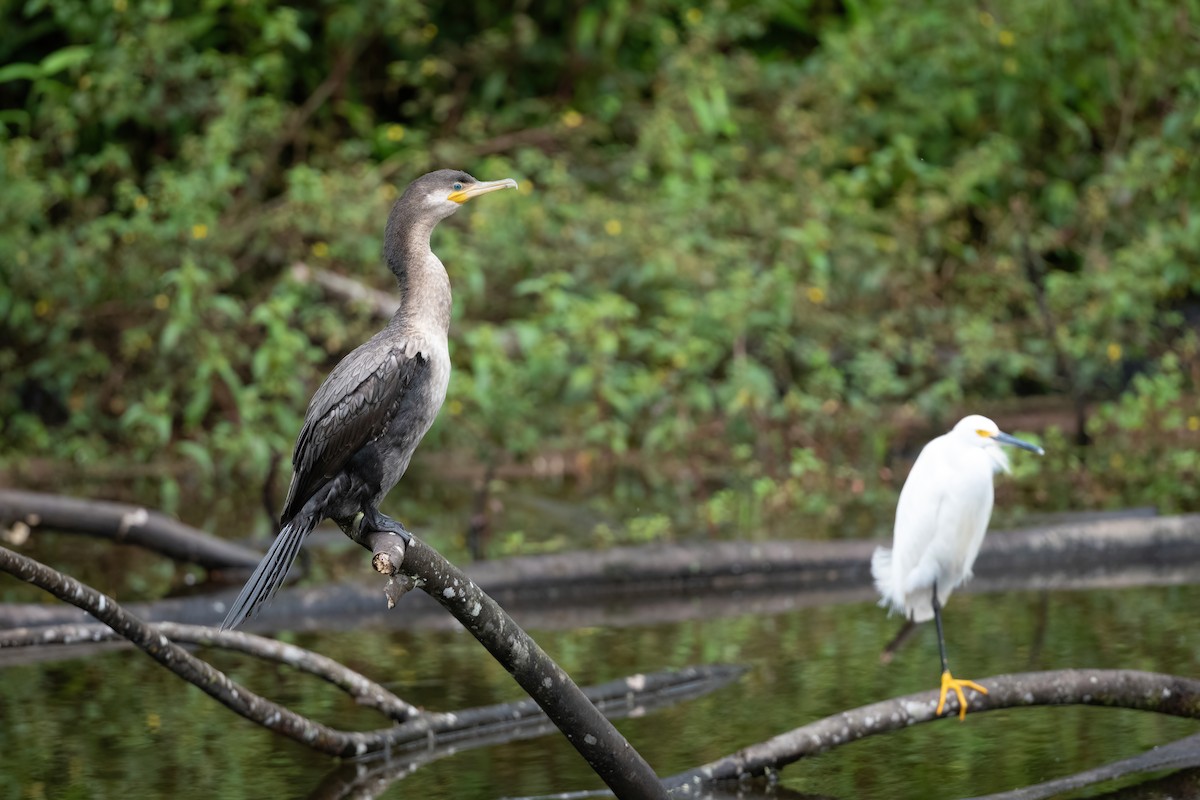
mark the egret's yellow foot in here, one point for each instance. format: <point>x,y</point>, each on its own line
<point>950,682</point>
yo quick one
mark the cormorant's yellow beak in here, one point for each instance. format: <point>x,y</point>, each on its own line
<point>483,187</point>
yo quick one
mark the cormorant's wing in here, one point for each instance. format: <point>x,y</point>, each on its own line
<point>351,409</point>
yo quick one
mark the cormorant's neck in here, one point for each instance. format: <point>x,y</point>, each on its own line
<point>424,285</point>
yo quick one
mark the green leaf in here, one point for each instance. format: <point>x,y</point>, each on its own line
<point>20,72</point>
<point>65,58</point>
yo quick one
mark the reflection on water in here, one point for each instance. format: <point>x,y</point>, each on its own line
<point>118,723</point>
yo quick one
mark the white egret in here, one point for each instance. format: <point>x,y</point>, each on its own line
<point>941,518</point>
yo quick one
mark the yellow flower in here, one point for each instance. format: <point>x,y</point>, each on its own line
<point>693,16</point>
<point>119,6</point>
<point>816,295</point>
<point>153,721</point>
<point>395,133</point>
<point>1114,351</point>
<point>455,407</point>
<point>613,227</point>
<point>199,231</point>
<point>1193,424</point>
<point>429,67</point>
<point>161,302</point>
<point>140,202</point>
<point>1006,38</point>
<point>572,118</point>
<point>320,249</point>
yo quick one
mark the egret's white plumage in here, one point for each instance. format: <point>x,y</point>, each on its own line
<point>941,518</point>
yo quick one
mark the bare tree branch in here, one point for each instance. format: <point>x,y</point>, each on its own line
<point>449,729</point>
<point>362,779</point>
<point>544,681</point>
<point>211,680</point>
<point>1145,691</point>
<point>364,691</point>
<point>617,764</point>
<point>380,303</point>
<point>1176,755</point>
<point>620,766</point>
<point>22,512</point>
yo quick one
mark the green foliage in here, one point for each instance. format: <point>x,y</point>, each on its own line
<point>762,240</point>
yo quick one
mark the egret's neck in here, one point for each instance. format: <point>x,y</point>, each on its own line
<point>425,297</point>
<point>999,458</point>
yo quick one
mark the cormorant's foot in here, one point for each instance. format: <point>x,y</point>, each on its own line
<point>951,683</point>
<point>374,521</point>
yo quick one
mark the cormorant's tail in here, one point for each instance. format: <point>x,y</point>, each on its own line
<point>269,574</point>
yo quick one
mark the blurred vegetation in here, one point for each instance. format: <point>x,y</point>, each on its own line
<point>761,252</point>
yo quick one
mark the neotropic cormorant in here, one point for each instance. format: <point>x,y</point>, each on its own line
<point>369,415</point>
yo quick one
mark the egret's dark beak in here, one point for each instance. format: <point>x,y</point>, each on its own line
<point>483,187</point>
<point>1004,438</point>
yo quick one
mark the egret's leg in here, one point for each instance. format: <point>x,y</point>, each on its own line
<point>903,635</point>
<point>949,682</point>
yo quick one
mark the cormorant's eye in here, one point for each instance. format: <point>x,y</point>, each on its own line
<point>457,186</point>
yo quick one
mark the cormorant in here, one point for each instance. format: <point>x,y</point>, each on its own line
<point>369,415</point>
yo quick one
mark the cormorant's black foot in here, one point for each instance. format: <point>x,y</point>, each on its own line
<point>372,520</point>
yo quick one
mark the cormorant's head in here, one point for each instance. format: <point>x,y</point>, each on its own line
<point>439,194</point>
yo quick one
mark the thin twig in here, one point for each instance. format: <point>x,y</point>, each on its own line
<point>365,691</point>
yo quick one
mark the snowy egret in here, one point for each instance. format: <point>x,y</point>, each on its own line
<point>941,518</point>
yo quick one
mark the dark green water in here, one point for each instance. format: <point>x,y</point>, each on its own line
<point>119,726</point>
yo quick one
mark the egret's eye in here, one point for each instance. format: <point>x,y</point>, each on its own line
<point>457,187</point>
<point>983,433</point>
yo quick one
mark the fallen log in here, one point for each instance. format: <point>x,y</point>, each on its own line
<point>24,513</point>
<point>669,582</point>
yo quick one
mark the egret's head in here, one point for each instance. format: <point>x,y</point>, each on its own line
<point>979,431</point>
<point>439,194</point>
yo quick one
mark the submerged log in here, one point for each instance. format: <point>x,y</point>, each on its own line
<point>670,582</point>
